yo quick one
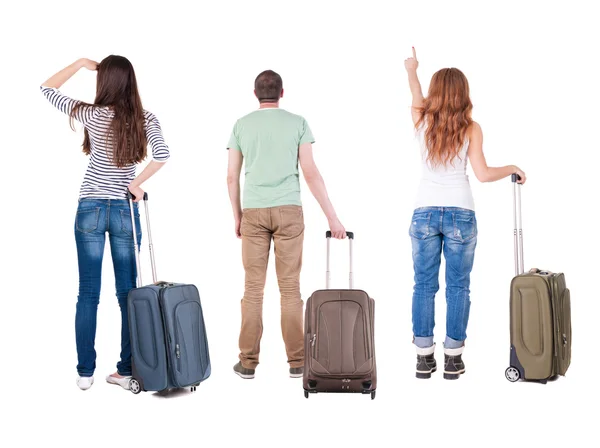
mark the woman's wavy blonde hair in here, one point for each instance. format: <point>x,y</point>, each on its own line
<point>446,113</point>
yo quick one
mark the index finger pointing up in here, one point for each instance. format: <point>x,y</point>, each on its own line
<point>414,53</point>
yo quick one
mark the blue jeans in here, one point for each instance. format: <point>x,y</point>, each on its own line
<point>96,217</point>
<point>454,231</point>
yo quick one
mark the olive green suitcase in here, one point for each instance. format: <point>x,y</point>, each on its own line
<point>540,315</point>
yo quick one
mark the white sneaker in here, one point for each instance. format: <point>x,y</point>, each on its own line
<point>85,382</point>
<point>123,382</point>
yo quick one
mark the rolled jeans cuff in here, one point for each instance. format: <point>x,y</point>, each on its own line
<point>453,343</point>
<point>423,342</point>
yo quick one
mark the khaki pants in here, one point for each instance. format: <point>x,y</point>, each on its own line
<point>285,225</point>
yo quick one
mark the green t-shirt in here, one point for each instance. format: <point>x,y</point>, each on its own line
<point>269,141</point>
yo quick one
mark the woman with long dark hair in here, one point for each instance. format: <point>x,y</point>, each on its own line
<point>444,217</point>
<point>117,131</point>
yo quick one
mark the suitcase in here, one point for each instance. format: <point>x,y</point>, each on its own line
<point>540,315</point>
<point>339,348</point>
<point>169,347</point>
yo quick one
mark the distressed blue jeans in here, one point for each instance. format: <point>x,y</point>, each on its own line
<point>453,231</point>
<point>95,218</point>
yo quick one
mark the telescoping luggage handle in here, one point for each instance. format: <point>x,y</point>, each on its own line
<point>135,242</point>
<point>350,236</point>
<point>518,228</point>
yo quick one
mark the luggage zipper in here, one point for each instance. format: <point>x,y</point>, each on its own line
<point>553,307</point>
<point>313,340</point>
<point>177,351</point>
<point>345,384</point>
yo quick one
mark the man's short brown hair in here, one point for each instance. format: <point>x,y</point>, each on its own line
<point>268,86</point>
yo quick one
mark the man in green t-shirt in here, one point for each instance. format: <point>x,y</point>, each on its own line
<point>270,142</point>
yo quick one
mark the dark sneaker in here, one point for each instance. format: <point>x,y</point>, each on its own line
<point>243,372</point>
<point>426,364</point>
<point>296,372</point>
<point>454,366</point>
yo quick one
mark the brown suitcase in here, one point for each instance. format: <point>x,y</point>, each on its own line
<point>339,338</point>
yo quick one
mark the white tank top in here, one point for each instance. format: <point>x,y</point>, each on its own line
<point>445,185</point>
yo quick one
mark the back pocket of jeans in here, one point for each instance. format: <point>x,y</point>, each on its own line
<point>126,223</point>
<point>465,226</point>
<point>249,224</point>
<point>87,219</point>
<point>419,227</point>
<point>292,220</point>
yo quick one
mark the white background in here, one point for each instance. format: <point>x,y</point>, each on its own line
<point>533,73</point>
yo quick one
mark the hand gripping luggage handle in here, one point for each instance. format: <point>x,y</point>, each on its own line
<point>350,236</point>
<point>518,225</point>
<point>135,242</point>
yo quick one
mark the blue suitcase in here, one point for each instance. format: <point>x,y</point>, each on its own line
<point>169,346</point>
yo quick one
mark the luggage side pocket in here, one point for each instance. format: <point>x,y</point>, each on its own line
<point>149,353</point>
<point>190,347</point>
<point>532,323</point>
<point>565,315</point>
<point>320,343</point>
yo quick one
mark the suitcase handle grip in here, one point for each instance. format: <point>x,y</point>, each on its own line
<point>131,196</point>
<point>515,177</point>
<point>348,234</point>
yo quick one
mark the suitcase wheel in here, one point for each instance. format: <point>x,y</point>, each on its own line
<point>306,394</point>
<point>512,374</point>
<point>134,386</point>
<point>373,395</point>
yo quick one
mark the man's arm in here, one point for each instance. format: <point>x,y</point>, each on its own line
<point>316,184</point>
<point>234,168</point>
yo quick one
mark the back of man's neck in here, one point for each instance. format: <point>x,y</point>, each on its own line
<point>269,105</point>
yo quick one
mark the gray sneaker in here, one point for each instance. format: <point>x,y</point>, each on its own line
<point>243,372</point>
<point>296,372</point>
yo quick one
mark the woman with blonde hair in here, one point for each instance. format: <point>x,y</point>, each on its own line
<point>444,217</point>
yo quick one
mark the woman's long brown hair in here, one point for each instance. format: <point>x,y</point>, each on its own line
<point>116,88</point>
<point>446,113</point>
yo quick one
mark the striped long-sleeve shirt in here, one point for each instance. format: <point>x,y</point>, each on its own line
<point>103,179</point>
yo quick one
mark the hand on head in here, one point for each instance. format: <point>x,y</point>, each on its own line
<point>89,64</point>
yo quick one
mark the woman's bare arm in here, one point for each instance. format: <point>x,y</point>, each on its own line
<point>411,65</point>
<point>58,79</point>
<point>483,172</point>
